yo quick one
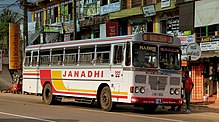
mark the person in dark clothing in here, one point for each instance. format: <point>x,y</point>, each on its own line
<point>188,90</point>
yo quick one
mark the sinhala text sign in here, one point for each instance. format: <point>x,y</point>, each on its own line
<point>194,51</point>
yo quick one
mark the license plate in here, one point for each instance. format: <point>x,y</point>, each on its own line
<point>158,101</point>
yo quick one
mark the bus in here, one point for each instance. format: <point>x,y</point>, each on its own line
<point>142,70</point>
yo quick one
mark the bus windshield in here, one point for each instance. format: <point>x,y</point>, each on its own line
<point>144,55</point>
<point>170,57</point>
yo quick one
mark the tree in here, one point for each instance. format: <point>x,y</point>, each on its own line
<point>6,16</point>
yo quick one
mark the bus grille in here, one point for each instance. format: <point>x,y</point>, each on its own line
<point>140,79</point>
<point>174,81</point>
<point>157,82</point>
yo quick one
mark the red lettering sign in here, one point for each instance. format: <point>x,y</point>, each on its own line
<point>111,29</point>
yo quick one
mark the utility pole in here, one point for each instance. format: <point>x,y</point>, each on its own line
<point>74,17</point>
<point>25,25</point>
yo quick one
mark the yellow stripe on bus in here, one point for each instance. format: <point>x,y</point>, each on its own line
<point>31,71</point>
<point>58,84</point>
<point>120,93</point>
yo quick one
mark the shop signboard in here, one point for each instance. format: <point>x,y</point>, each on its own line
<point>165,3</point>
<point>111,29</point>
<point>113,7</point>
<point>92,9</point>
<point>149,10</point>
<point>14,46</point>
<point>208,46</point>
<point>194,51</point>
<point>185,40</point>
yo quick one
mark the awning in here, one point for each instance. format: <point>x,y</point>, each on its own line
<point>209,54</point>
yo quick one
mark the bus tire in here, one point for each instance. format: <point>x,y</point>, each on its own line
<point>106,99</point>
<point>47,95</point>
<point>150,108</point>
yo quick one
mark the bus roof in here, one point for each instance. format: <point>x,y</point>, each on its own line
<point>109,40</point>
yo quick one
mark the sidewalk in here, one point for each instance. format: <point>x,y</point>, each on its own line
<point>212,102</point>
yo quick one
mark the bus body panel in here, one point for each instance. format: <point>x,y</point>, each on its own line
<point>128,84</point>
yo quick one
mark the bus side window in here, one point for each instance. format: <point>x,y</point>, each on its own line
<point>118,54</point>
<point>27,59</point>
<point>44,57</point>
<point>128,55</point>
<point>71,56</point>
<point>57,57</point>
<point>103,54</point>
<point>87,55</point>
<point>34,58</point>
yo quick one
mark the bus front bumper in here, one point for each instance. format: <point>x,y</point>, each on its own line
<point>159,101</point>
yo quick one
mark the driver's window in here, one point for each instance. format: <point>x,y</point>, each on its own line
<point>118,54</point>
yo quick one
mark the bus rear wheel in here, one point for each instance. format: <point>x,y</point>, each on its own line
<point>48,97</point>
<point>150,108</point>
<point>106,99</point>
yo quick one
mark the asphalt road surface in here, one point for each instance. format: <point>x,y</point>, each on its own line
<point>30,108</point>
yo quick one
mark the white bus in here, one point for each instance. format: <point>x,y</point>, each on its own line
<point>142,69</point>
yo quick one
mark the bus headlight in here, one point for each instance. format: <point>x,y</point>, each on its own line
<point>137,89</point>
<point>177,91</point>
<point>142,89</point>
<point>172,90</point>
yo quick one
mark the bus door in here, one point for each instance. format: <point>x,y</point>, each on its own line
<point>116,70</point>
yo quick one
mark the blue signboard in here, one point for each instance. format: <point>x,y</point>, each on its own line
<point>113,7</point>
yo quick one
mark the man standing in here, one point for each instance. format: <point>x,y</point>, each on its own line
<point>188,89</point>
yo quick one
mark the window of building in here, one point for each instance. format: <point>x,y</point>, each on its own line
<point>136,3</point>
<point>123,4</point>
<point>113,1</point>
<point>148,2</point>
<point>70,16</point>
<point>103,2</point>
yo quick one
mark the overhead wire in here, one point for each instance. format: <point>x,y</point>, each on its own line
<point>6,7</point>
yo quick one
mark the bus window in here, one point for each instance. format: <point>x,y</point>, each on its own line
<point>44,57</point>
<point>57,57</point>
<point>103,54</point>
<point>87,55</point>
<point>34,59</point>
<point>71,56</point>
<point>27,59</point>
<point>170,58</point>
<point>118,54</point>
<point>128,55</point>
<point>144,55</point>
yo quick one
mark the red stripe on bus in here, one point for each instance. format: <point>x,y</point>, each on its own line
<point>33,74</point>
<point>44,75</point>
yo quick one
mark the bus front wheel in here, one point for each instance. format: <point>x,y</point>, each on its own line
<point>106,99</point>
<point>150,108</point>
<point>47,95</point>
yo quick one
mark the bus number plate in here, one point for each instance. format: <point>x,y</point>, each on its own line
<point>158,101</point>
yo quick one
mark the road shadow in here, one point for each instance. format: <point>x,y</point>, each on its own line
<point>195,107</point>
<point>32,120</point>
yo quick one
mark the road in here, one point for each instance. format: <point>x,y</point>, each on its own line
<point>30,108</point>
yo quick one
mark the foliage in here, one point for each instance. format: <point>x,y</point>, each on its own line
<point>6,16</point>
